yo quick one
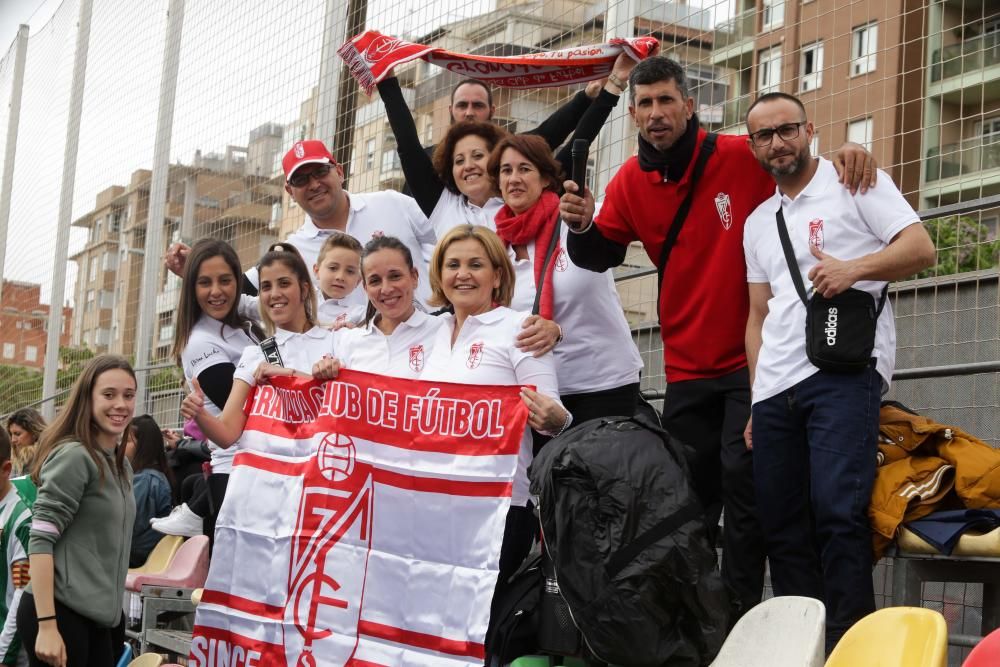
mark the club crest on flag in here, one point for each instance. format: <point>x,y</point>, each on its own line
<point>475,355</point>
<point>380,47</point>
<point>417,358</point>
<point>723,208</point>
<point>816,233</point>
<point>330,553</point>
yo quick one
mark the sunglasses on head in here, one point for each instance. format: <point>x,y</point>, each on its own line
<point>301,178</point>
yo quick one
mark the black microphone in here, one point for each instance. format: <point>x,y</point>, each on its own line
<point>579,151</point>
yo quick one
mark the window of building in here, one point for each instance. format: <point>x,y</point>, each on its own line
<point>390,159</point>
<point>30,353</point>
<point>110,261</point>
<point>769,70</point>
<point>8,350</point>
<point>860,132</point>
<point>90,300</point>
<point>773,15</point>
<point>92,272</point>
<point>370,154</point>
<point>428,137</point>
<point>864,46</point>
<point>989,129</point>
<point>115,222</point>
<point>811,67</point>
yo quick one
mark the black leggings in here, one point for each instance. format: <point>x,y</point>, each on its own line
<point>87,643</point>
<point>204,498</point>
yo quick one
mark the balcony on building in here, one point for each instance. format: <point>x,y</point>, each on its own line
<point>733,41</point>
<point>978,158</point>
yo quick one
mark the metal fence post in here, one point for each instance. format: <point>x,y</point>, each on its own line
<point>330,69</point>
<point>10,148</point>
<point>55,322</point>
<point>152,259</point>
<point>615,147</point>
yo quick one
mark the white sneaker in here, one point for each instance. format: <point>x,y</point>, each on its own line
<point>181,521</point>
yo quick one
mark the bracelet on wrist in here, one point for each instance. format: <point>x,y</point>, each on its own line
<point>569,419</point>
<point>42,619</point>
<point>559,338</point>
<point>613,78</point>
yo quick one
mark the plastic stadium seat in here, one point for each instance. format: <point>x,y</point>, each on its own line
<point>784,631</point>
<point>986,653</point>
<point>126,656</point>
<point>158,560</point>
<point>147,660</point>
<point>894,637</point>
<point>188,569</point>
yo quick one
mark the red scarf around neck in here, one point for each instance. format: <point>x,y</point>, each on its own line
<point>537,224</point>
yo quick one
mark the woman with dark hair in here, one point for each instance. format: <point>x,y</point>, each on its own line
<point>455,188</point>
<point>397,336</point>
<point>151,485</point>
<point>210,338</point>
<point>288,310</point>
<point>25,427</point>
<point>82,524</point>
<point>597,363</point>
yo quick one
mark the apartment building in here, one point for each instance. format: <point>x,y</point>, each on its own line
<point>214,197</point>
<point>857,67</point>
<point>24,325</point>
<point>961,142</point>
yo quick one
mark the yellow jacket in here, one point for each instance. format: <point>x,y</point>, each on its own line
<point>920,463</point>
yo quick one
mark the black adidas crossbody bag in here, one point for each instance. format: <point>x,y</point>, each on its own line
<point>840,331</point>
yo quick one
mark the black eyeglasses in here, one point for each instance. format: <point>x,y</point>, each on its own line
<point>301,178</point>
<point>787,132</point>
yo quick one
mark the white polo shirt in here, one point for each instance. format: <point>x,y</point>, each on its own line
<point>452,210</point>
<point>331,312</point>
<point>372,214</point>
<point>299,351</point>
<point>845,226</point>
<point>211,343</point>
<point>484,354</point>
<point>401,354</point>
<point>597,351</point>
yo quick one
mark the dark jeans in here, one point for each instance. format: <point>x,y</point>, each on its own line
<point>87,643</point>
<point>814,466</point>
<point>708,416</point>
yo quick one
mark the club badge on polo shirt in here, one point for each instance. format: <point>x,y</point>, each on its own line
<point>724,208</point>
<point>562,263</point>
<point>475,355</point>
<point>417,358</point>
<point>816,233</point>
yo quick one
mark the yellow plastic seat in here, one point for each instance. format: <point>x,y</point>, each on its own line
<point>147,660</point>
<point>894,637</point>
<point>161,555</point>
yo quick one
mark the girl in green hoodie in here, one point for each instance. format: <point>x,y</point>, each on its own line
<point>71,613</point>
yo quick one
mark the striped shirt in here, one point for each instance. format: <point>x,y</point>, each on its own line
<point>15,519</point>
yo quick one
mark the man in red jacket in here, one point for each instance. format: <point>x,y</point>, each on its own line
<point>703,308</point>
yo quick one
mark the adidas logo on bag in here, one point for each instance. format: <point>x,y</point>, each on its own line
<point>831,327</point>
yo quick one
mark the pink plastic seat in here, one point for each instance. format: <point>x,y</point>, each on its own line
<point>986,653</point>
<point>187,569</point>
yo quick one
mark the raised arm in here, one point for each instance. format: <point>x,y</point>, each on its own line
<point>418,168</point>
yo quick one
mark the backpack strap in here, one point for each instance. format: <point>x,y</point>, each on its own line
<point>626,554</point>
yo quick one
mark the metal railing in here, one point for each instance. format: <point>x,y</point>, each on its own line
<point>966,157</point>
<point>741,27</point>
<point>967,56</point>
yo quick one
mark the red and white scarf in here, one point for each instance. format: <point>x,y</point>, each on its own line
<point>537,224</point>
<point>371,55</point>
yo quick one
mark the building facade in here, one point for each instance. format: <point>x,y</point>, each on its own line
<point>24,325</point>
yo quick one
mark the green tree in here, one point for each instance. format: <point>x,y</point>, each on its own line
<point>22,387</point>
<point>963,245</point>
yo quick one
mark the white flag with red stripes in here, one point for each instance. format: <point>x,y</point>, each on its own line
<point>361,526</point>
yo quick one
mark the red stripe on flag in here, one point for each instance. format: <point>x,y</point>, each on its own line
<point>421,640</point>
<point>355,662</point>
<point>450,487</point>
<point>242,604</point>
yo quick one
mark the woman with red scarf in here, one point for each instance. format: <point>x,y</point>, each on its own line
<point>597,363</point>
